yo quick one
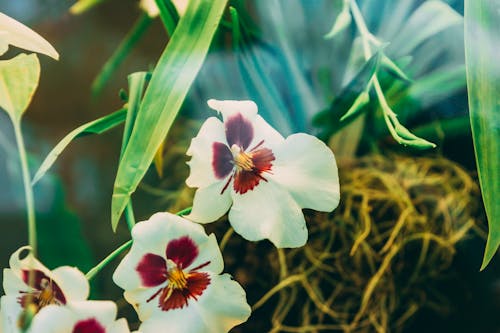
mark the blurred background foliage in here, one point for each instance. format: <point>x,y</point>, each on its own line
<point>281,55</point>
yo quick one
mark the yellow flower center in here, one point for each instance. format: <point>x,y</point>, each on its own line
<point>47,295</point>
<point>177,278</point>
<point>242,160</point>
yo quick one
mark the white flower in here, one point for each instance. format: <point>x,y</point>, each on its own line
<point>244,164</point>
<point>57,287</point>
<point>79,317</point>
<point>171,276</point>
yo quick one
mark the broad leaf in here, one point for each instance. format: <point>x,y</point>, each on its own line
<point>17,34</point>
<point>177,68</point>
<point>97,126</point>
<point>482,31</point>
<point>18,81</point>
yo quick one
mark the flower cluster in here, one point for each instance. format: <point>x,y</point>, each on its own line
<point>56,300</point>
<point>172,274</point>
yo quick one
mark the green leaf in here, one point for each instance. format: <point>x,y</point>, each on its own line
<point>84,5</point>
<point>17,34</point>
<point>393,69</point>
<point>341,22</point>
<point>175,72</point>
<point>350,102</point>
<point>482,28</point>
<point>97,126</point>
<point>18,81</point>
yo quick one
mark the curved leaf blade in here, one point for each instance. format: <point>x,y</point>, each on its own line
<point>482,31</point>
<point>97,126</point>
<point>175,72</point>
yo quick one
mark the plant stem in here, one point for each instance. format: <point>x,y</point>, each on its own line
<point>28,190</point>
<point>92,273</point>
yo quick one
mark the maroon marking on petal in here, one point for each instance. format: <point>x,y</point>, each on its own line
<point>222,161</point>
<point>182,251</point>
<point>197,282</point>
<point>239,131</point>
<point>262,159</point>
<point>172,298</point>
<point>88,326</point>
<point>246,180</point>
<point>152,269</point>
<point>44,284</point>
<point>200,266</point>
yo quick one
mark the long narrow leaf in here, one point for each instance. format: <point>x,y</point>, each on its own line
<point>175,72</point>
<point>97,126</point>
<point>482,43</point>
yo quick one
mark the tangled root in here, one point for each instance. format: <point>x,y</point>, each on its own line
<point>371,264</point>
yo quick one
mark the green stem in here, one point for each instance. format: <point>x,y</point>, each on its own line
<point>28,190</point>
<point>123,50</point>
<point>129,215</point>
<point>92,273</point>
<point>185,211</point>
<point>96,269</point>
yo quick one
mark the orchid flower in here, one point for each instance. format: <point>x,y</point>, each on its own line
<point>243,164</point>
<point>172,277</point>
<point>49,288</point>
<point>79,317</point>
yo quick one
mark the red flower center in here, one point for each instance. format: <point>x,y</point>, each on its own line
<point>181,284</point>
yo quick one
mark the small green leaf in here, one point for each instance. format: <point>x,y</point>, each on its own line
<point>341,22</point>
<point>175,72</point>
<point>18,81</point>
<point>97,126</point>
<point>81,6</point>
<point>482,28</point>
<point>352,98</point>
<point>392,68</point>
<point>17,34</point>
<point>357,106</point>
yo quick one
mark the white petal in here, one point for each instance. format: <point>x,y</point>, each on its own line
<point>228,108</point>
<point>10,309</point>
<point>103,311</point>
<point>221,306</point>
<point>263,131</point>
<point>53,319</point>
<point>268,211</point>
<point>306,167</point>
<point>209,204</point>
<point>201,170</point>
<point>72,282</point>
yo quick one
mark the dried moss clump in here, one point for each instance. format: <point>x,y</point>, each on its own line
<point>372,264</point>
